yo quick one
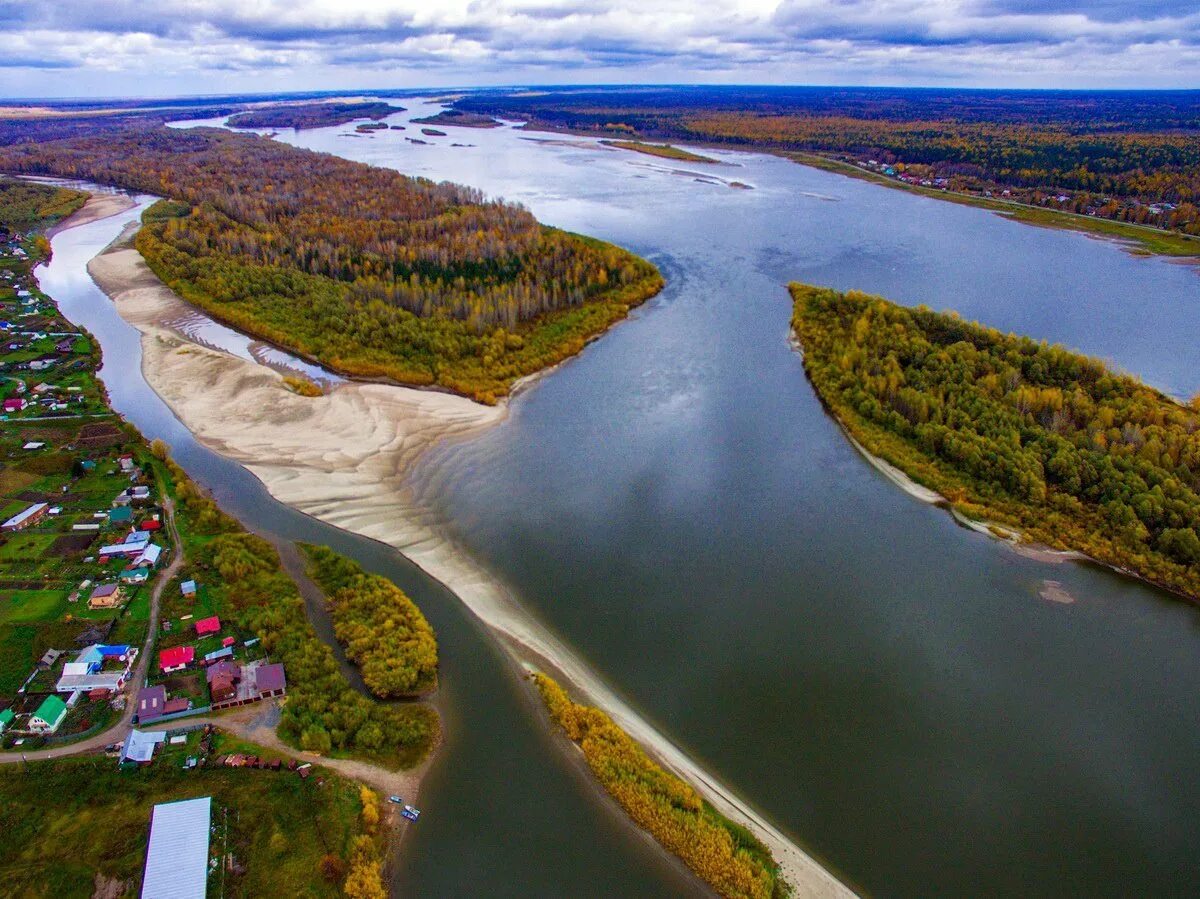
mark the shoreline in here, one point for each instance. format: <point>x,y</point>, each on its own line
<point>344,458</point>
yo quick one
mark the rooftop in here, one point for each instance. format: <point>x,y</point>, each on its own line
<point>177,857</point>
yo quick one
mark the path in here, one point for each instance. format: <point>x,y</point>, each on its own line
<point>112,734</point>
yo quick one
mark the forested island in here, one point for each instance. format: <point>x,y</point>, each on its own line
<point>726,856</point>
<point>1013,432</point>
<point>369,272</point>
<point>665,151</point>
<point>311,115</point>
<point>1089,160</point>
<point>458,118</point>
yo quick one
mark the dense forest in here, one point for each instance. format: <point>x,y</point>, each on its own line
<point>723,854</point>
<point>1122,155</point>
<point>366,270</point>
<point>25,205</point>
<point>311,115</point>
<point>1013,431</point>
<point>383,631</point>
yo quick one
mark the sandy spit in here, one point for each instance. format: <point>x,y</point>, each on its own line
<point>344,458</point>
<point>98,206</point>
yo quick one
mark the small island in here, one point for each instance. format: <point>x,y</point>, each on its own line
<point>664,151</point>
<point>1024,440</point>
<point>459,118</point>
<point>302,116</point>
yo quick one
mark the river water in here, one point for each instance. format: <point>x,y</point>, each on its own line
<point>889,688</point>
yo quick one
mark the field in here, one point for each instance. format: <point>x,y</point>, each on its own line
<point>95,829</point>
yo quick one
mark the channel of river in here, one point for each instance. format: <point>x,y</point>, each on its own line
<point>893,690</point>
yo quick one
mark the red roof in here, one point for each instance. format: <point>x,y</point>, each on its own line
<point>229,641</point>
<point>207,626</point>
<point>176,657</point>
<point>150,525</point>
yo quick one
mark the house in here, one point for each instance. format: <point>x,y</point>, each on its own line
<point>222,689</point>
<point>140,494</point>
<point>135,576</point>
<point>49,716</point>
<point>177,854</point>
<point>120,515</point>
<point>150,525</point>
<point>149,556</point>
<point>64,346</point>
<point>270,680</point>
<point>151,703</point>
<point>89,672</point>
<point>206,626</point>
<point>130,549</point>
<point>6,720</point>
<point>126,463</point>
<point>14,403</point>
<point>31,515</point>
<point>188,588</point>
<point>106,596</point>
<point>139,748</point>
<point>176,659</point>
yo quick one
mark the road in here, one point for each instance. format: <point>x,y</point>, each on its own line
<point>117,731</point>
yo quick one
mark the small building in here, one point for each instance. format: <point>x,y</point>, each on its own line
<point>47,661</point>
<point>176,659</point>
<point>106,596</point>
<point>14,404</point>
<point>149,557</point>
<point>135,576</point>
<point>270,680</point>
<point>177,705</point>
<point>177,854</point>
<point>151,703</point>
<point>29,516</point>
<point>206,626</point>
<point>128,550</point>
<point>6,720</point>
<point>49,716</point>
<point>120,515</point>
<point>150,525</point>
<point>188,588</point>
<point>138,748</point>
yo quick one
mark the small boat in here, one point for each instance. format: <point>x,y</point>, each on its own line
<point>411,813</point>
<point>396,799</point>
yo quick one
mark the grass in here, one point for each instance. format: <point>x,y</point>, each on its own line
<point>68,822</point>
<point>1142,239</point>
<point>665,151</point>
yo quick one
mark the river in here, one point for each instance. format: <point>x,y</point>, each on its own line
<point>886,686</point>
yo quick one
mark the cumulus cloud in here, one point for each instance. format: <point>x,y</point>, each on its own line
<point>128,46</point>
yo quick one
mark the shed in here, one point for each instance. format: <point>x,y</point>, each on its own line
<point>177,855</point>
<point>206,626</point>
<point>188,588</point>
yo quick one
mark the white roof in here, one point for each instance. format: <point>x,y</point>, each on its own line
<point>101,680</point>
<point>150,554</point>
<point>20,517</point>
<point>139,747</point>
<point>177,857</point>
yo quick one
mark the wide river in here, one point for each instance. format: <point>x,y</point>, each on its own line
<point>889,688</point>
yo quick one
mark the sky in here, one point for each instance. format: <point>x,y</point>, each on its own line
<point>64,48</point>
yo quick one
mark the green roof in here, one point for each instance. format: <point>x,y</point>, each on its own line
<point>6,718</point>
<point>124,513</point>
<point>51,710</point>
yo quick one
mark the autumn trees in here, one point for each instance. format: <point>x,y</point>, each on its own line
<point>368,271</point>
<point>1024,433</point>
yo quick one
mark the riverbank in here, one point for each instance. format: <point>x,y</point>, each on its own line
<point>344,458</point>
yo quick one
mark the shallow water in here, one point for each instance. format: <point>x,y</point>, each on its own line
<point>888,687</point>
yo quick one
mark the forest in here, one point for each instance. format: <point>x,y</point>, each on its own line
<point>25,205</point>
<point>723,854</point>
<point>1013,431</point>
<point>383,631</point>
<point>1123,155</point>
<point>365,270</point>
<point>311,115</point>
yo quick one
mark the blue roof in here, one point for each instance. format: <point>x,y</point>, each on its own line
<point>188,587</point>
<point>219,654</point>
<point>115,650</point>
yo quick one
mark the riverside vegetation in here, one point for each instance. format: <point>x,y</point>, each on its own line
<point>1013,431</point>
<point>383,631</point>
<point>311,115</point>
<point>724,855</point>
<point>369,272</point>
<point>323,712</point>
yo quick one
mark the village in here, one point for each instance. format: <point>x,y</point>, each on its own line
<point>86,539</point>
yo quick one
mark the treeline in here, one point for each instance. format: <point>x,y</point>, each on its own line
<point>383,631</point>
<point>1026,434</point>
<point>25,206</point>
<point>311,115</point>
<point>362,268</point>
<point>323,712</point>
<point>1114,154</point>
<point>724,855</point>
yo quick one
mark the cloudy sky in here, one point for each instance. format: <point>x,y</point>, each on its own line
<point>160,47</point>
